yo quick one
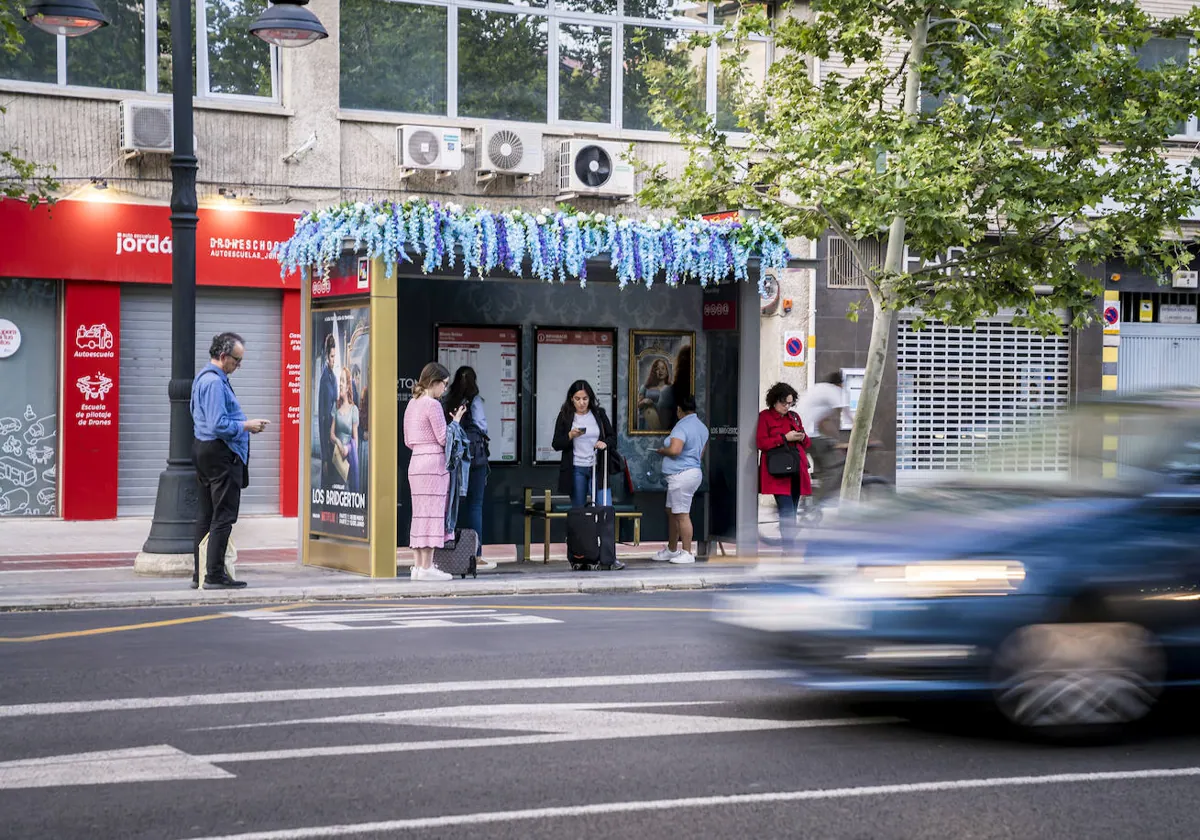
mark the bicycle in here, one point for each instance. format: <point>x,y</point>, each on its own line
<point>826,493</point>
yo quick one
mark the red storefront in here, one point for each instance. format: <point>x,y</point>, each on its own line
<point>90,444</point>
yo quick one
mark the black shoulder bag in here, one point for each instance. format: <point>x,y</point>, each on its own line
<point>784,460</point>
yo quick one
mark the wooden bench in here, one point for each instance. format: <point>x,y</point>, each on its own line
<point>548,506</point>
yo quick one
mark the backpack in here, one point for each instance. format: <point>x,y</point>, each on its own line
<point>477,441</point>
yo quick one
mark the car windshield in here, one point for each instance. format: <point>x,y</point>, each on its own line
<point>1103,449</point>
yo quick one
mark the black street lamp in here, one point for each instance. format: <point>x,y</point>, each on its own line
<point>66,17</point>
<point>288,24</point>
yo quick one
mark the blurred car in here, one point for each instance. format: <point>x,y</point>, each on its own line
<point>1070,601</point>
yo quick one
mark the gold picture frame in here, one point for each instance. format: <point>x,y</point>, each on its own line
<point>660,362</point>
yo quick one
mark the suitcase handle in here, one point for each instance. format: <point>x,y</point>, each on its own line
<point>605,482</point>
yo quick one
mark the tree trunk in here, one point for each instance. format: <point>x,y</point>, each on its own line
<point>881,322</point>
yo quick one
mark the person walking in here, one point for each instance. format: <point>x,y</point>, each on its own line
<point>779,427</point>
<point>682,453</point>
<point>581,431</point>
<point>428,480</point>
<point>821,408</point>
<point>221,453</point>
<point>464,390</point>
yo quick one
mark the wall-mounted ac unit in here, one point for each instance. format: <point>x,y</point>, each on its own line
<point>594,168</point>
<point>509,150</point>
<point>147,127</point>
<point>429,147</point>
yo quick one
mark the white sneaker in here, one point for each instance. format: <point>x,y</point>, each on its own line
<point>664,555</point>
<point>485,565</point>
<point>432,573</point>
<point>683,557</point>
<point>412,573</point>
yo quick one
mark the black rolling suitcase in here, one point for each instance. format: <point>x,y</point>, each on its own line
<point>592,529</point>
<point>459,559</point>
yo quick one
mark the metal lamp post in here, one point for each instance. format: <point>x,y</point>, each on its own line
<point>284,24</point>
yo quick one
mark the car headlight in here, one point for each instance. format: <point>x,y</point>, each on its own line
<point>935,579</point>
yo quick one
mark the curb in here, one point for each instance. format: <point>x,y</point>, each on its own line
<point>370,591</point>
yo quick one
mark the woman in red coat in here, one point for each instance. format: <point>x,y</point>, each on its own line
<point>777,425</point>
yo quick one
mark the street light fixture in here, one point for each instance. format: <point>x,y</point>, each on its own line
<point>288,24</point>
<point>168,548</point>
<point>66,17</point>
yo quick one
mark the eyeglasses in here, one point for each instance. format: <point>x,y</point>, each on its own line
<point>237,360</point>
<point>788,403</point>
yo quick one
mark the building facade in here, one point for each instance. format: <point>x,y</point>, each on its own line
<point>457,101</point>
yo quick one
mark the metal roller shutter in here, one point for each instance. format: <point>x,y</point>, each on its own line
<point>146,369</point>
<point>963,392</point>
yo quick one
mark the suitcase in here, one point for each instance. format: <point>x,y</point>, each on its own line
<point>460,558</point>
<point>592,530</point>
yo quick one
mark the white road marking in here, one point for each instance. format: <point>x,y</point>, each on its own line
<point>141,764</point>
<point>398,618</point>
<point>731,800</point>
<point>397,690</point>
<point>565,723</point>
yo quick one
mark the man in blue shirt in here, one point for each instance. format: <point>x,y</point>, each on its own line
<point>221,453</point>
<point>682,452</point>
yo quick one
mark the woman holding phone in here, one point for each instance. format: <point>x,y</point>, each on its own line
<point>581,432</point>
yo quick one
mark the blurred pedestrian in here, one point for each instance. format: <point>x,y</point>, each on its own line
<point>783,459</point>
<point>682,453</point>
<point>221,453</point>
<point>822,410</point>
<point>428,479</point>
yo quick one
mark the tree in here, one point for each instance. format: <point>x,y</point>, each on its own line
<point>20,178</point>
<point>1023,137</point>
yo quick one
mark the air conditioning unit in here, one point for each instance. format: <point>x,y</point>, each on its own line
<point>1184,279</point>
<point>594,168</point>
<point>509,150</point>
<point>429,147</point>
<point>147,127</point>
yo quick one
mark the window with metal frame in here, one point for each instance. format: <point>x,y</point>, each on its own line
<point>133,53</point>
<point>580,63</point>
<point>980,398</point>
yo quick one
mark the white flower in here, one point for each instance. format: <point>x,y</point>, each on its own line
<point>540,219</point>
<point>655,225</point>
<point>651,220</point>
<point>546,211</point>
<point>359,206</point>
<point>381,219</point>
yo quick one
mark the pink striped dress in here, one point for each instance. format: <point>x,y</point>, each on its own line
<point>425,435</point>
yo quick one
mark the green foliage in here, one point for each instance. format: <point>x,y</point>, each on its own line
<point>1034,114</point>
<point>20,178</point>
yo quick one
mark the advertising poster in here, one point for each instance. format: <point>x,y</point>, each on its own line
<point>339,452</point>
<point>563,356</point>
<point>91,400</point>
<point>661,371</point>
<point>492,353</point>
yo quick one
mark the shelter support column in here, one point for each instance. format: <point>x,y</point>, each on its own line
<point>384,419</point>
<point>749,397</point>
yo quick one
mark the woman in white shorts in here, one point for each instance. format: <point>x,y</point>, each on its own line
<point>682,453</point>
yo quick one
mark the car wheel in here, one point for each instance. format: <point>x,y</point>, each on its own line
<point>1078,679</point>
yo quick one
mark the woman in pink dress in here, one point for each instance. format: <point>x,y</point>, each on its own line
<point>425,435</point>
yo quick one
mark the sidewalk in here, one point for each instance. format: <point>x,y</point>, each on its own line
<point>49,564</point>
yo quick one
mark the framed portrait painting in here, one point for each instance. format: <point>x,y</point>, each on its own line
<point>661,372</point>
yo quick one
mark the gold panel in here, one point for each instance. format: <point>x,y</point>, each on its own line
<point>384,416</point>
<point>344,556</point>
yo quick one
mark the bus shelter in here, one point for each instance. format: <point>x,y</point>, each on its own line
<point>644,311</point>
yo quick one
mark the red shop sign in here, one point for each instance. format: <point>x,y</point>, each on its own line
<point>131,243</point>
<point>342,283</point>
<point>91,400</point>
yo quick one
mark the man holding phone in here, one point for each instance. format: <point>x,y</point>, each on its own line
<point>221,453</point>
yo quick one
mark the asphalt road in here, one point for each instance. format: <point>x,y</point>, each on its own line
<point>587,716</point>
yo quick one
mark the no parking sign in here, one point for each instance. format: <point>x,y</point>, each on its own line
<point>1112,317</point>
<point>793,349</point>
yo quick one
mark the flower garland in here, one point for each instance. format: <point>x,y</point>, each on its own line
<point>556,244</point>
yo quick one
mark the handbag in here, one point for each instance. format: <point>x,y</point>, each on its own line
<point>783,461</point>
